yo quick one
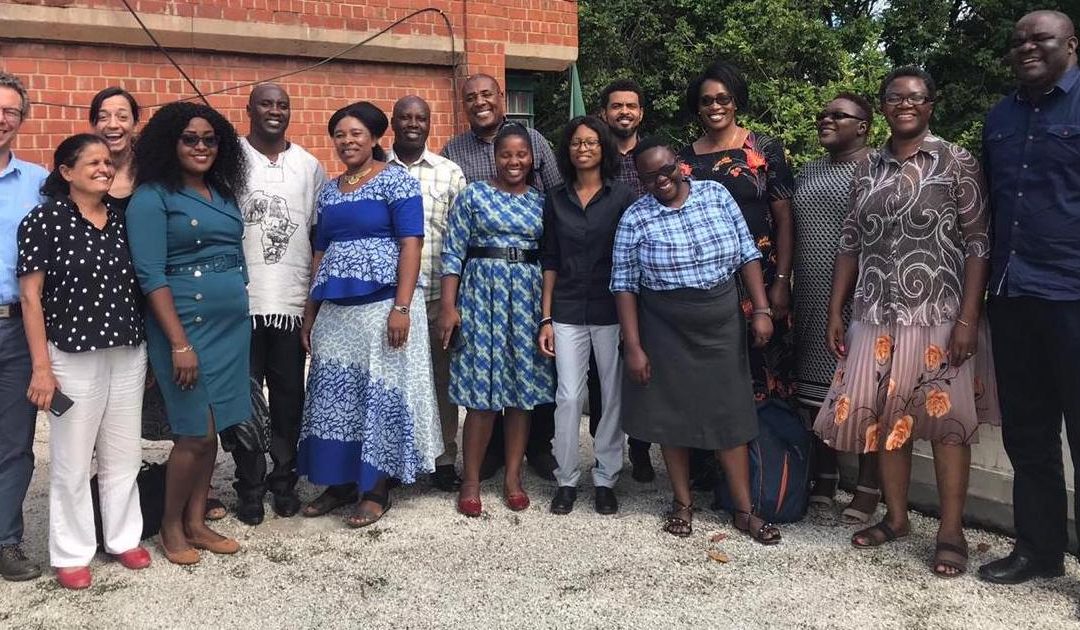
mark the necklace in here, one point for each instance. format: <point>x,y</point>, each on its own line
<point>355,178</point>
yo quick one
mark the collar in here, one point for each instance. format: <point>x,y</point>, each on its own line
<point>930,145</point>
<point>427,157</point>
<point>1066,84</point>
<point>659,209</point>
<point>15,165</point>
<point>481,140</point>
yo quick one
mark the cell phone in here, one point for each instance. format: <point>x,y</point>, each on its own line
<point>60,404</point>
<point>456,342</point>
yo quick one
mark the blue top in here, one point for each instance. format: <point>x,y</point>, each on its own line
<point>358,235</point>
<point>1031,154</point>
<point>697,246</point>
<point>484,216</point>
<point>20,183</point>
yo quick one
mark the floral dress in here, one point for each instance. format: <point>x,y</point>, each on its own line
<point>757,174</point>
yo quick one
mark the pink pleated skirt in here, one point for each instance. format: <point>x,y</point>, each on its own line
<point>896,384</point>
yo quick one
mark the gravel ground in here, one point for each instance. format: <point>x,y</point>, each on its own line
<point>425,566</point>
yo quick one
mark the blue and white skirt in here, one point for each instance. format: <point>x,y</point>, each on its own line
<point>370,410</point>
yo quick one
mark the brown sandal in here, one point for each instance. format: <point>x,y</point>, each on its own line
<point>327,502</point>
<point>766,534</point>
<point>675,524</point>
<point>363,518</point>
<point>215,510</point>
<point>952,556</point>
<point>867,535</point>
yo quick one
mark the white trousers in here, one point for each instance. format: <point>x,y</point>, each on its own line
<point>107,388</point>
<point>572,345</point>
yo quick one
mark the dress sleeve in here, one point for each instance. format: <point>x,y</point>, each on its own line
<point>148,237</point>
<point>971,205</point>
<point>625,266</point>
<point>850,238</point>
<point>35,246</point>
<point>549,242</point>
<point>317,182</point>
<point>779,183</point>
<point>322,237</point>
<point>407,207</point>
<point>748,249</point>
<point>458,232</point>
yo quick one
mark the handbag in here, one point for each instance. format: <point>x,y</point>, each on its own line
<point>151,482</point>
<point>252,435</point>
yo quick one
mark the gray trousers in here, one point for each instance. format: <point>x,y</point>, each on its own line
<point>572,346</point>
<point>17,418</point>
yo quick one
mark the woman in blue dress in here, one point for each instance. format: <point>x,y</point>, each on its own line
<point>491,252</point>
<point>184,230</point>
<point>370,411</point>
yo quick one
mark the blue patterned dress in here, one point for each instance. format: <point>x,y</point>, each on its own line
<point>370,409</point>
<point>499,365</point>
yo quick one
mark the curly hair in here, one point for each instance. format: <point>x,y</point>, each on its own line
<point>732,78</point>
<point>620,85</point>
<point>609,164</point>
<point>156,160</point>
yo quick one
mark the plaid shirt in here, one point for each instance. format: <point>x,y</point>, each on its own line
<point>698,246</point>
<point>627,174</point>
<point>477,159</point>
<point>440,182</point>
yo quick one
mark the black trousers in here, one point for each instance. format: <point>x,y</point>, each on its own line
<point>1037,358</point>
<point>277,358</point>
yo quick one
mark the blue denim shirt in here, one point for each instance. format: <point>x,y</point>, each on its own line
<point>1031,155</point>
<point>19,185</point>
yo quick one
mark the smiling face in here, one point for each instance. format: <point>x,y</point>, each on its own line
<point>411,123</point>
<point>623,113</point>
<point>116,124</point>
<point>907,120</point>
<point>716,106</point>
<point>10,117</point>
<point>93,171</point>
<point>841,125</point>
<point>1041,49</point>
<point>658,170</point>
<point>513,161</point>
<point>585,149</point>
<point>193,147</point>
<point>269,111</point>
<point>483,104</point>
<point>353,143</point>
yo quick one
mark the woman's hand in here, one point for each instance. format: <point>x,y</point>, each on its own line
<point>762,327</point>
<point>834,337</point>
<point>449,319</point>
<point>397,328</point>
<point>305,333</point>
<point>43,384</point>
<point>963,343</point>
<point>185,367</point>
<point>546,340</point>
<point>637,362</point>
<point>780,299</point>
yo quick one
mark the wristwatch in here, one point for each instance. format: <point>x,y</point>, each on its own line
<point>404,310</point>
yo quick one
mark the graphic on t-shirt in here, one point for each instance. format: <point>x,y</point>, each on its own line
<point>271,213</point>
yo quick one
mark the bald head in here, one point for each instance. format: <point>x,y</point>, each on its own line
<point>411,122</point>
<point>268,111</point>
<point>1042,49</point>
<point>411,100</point>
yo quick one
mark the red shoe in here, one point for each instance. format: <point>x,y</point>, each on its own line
<point>74,578</point>
<point>134,559</point>
<point>517,501</point>
<point>469,505</point>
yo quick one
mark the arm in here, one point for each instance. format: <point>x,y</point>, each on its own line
<point>407,218</point>
<point>974,231</point>
<point>311,305</point>
<point>455,245</point>
<point>752,275</point>
<point>546,337</point>
<point>637,361</point>
<point>625,282</point>
<point>42,380</point>
<point>780,290</point>
<point>845,270</point>
<point>549,262</point>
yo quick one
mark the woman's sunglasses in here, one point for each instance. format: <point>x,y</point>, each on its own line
<point>838,116</point>
<point>707,100</point>
<point>192,140</point>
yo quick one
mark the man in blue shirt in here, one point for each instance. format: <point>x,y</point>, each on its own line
<point>1031,146</point>
<point>19,184</point>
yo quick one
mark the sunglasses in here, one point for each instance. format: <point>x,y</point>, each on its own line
<point>838,116</point>
<point>707,100</point>
<point>667,170</point>
<point>192,140</point>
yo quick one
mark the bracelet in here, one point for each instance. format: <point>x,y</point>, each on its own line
<point>187,348</point>
<point>763,311</point>
<point>544,321</point>
<point>962,322</point>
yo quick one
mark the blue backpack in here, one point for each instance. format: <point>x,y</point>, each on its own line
<point>779,466</point>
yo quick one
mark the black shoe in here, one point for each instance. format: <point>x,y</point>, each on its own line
<point>249,510</point>
<point>491,464</point>
<point>445,478</point>
<point>16,567</point>
<point>564,499</point>
<point>605,500</point>
<point>286,504</point>
<point>642,470</point>
<point>543,464</point>
<point>1017,568</point>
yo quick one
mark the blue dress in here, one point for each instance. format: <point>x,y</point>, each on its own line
<point>499,365</point>
<point>370,409</point>
<point>193,246</point>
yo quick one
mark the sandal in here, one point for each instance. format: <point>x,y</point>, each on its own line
<point>855,516</point>
<point>767,534</point>
<point>822,501</point>
<point>363,518</point>
<point>215,510</point>
<point>888,533</point>
<point>951,556</point>
<point>677,525</point>
<point>327,502</point>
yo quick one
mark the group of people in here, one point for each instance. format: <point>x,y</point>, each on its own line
<point>673,289</point>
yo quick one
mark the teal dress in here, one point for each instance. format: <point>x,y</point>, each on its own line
<point>193,246</point>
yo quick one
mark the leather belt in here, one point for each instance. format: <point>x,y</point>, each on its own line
<point>509,254</point>
<point>10,311</point>
<point>221,262</point>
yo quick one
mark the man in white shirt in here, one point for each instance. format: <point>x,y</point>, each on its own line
<point>440,182</point>
<point>278,208</point>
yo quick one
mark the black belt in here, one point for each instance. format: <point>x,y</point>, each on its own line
<point>509,254</point>
<point>10,311</point>
<point>221,262</point>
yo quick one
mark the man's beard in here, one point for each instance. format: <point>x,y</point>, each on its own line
<point>624,133</point>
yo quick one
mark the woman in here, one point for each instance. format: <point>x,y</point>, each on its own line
<point>822,189</point>
<point>89,346</point>
<point>915,363</point>
<point>370,412</point>
<point>114,114</point>
<point>687,382</point>
<point>491,254</point>
<point>186,230</point>
<point>578,310</point>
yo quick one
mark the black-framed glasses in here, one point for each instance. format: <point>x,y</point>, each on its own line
<point>918,98</point>
<point>192,140</point>
<point>12,114</point>
<point>838,116</point>
<point>667,170</point>
<point>587,143</point>
<point>707,100</point>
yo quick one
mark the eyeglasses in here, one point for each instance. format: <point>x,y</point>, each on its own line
<point>192,140</point>
<point>588,143</point>
<point>12,114</point>
<point>838,116</point>
<point>707,100</point>
<point>917,98</point>
<point>667,170</point>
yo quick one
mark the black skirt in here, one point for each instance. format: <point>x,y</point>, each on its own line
<point>700,394</point>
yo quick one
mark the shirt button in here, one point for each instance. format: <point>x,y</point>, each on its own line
<point>1031,137</point>
<point>1012,252</point>
<point>1016,223</point>
<point>197,274</point>
<point>198,296</point>
<point>198,318</point>
<point>1025,166</point>
<point>194,222</point>
<point>1036,110</point>
<point>1020,194</point>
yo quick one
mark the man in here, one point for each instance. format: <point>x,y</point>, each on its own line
<point>1030,148</point>
<point>440,182</point>
<point>283,181</point>
<point>483,102</point>
<point>19,184</point>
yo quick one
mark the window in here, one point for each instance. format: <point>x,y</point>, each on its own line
<point>519,98</point>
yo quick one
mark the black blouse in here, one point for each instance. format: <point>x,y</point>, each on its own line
<point>91,296</point>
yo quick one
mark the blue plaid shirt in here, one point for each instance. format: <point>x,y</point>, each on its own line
<point>698,246</point>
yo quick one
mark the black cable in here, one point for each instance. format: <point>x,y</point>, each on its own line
<point>161,48</point>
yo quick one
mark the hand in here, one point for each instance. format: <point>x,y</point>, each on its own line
<point>762,327</point>
<point>449,319</point>
<point>150,379</point>
<point>546,340</point>
<point>637,362</point>
<point>834,337</point>
<point>780,299</point>
<point>963,343</point>
<point>43,384</point>
<point>305,333</point>
<point>397,328</point>
<point>185,368</point>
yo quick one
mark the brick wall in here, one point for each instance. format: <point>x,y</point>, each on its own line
<point>60,74</point>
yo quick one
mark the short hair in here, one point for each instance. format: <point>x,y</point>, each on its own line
<point>621,85</point>
<point>480,75</point>
<point>648,144</point>
<point>371,116</point>
<point>512,128</point>
<point>67,154</point>
<point>609,164</point>
<point>725,73</point>
<point>109,92</point>
<point>860,102</point>
<point>11,81</point>
<point>908,71</point>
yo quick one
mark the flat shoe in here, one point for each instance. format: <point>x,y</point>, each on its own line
<point>185,557</point>
<point>224,546</point>
<point>134,559</point>
<point>517,501</point>
<point>74,578</point>
<point>364,518</point>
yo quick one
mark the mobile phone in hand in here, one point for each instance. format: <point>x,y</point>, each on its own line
<point>60,404</point>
